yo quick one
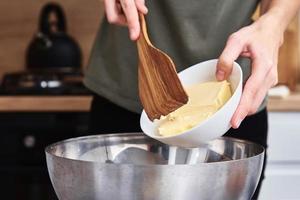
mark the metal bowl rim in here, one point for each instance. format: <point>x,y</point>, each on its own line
<point>47,150</point>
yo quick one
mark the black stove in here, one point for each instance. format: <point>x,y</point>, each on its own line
<point>44,82</point>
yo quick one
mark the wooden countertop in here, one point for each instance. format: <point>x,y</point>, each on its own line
<point>82,103</point>
<point>289,103</point>
<point>45,103</point>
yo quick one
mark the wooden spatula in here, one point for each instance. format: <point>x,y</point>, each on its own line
<point>160,89</point>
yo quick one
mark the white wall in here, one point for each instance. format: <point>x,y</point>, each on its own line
<point>282,180</point>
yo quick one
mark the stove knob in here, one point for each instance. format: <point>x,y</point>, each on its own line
<point>29,141</point>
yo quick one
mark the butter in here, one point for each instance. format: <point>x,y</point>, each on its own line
<point>204,100</point>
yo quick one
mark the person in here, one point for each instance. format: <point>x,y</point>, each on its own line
<point>189,32</point>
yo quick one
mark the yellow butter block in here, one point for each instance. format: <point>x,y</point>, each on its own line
<point>204,100</point>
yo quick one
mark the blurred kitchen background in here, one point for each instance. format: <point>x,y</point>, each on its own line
<point>43,101</point>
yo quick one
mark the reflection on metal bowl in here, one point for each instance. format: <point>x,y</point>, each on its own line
<point>133,166</point>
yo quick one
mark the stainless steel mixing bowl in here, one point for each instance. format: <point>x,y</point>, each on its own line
<point>135,167</point>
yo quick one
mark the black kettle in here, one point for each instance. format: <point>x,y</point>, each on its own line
<point>52,48</point>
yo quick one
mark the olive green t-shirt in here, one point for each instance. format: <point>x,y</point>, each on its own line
<point>189,31</point>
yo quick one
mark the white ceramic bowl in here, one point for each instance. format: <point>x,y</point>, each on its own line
<point>211,128</point>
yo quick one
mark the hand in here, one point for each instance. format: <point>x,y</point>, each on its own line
<point>125,12</point>
<point>260,42</point>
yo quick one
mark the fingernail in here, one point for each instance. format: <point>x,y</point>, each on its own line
<point>220,75</point>
<point>238,123</point>
<point>145,10</point>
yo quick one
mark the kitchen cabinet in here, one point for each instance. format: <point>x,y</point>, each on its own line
<point>282,176</point>
<point>24,136</point>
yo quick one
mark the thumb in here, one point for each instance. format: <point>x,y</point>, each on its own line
<point>231,52</point>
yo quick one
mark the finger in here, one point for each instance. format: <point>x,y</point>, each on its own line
<point>140,4</point>
<point>260,95</point>
<point>231,52</point>
<point>132,18</point>
<point>113,13</point>
<point>122,19</point>
<point>111,10</point>
<point>239,114</point>
<point>270,81</point>
<point>252,86</point>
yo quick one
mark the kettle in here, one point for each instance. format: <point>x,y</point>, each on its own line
<point>52,47</point>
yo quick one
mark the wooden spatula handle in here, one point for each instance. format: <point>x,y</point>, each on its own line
<point>143,34</point>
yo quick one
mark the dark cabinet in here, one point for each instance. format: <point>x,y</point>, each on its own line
<point>24,136</point>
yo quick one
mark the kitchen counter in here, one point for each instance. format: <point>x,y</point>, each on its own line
<point>82,103</point>
<point>45,103</point>
<point>289,103</point>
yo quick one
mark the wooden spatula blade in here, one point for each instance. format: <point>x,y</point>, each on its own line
<point>160,89</point>
<point>161,98</point>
